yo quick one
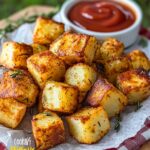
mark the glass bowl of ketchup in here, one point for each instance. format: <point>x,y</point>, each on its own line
<point>104,18</point>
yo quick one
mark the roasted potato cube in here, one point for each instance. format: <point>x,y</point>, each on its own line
<point>105,94</point>
<point>81,76</point>
<point>116,66</point>
<point>48,130</point>
<point>60,97</point>
<point>138,60</point>
<point>44,66</point>
<point>18,84</point>
<point>14,55</point>
<point>135,84</point>
<point>11,112</point>
<point>47,30</point>
<point>88,125</point>
<point>39,48</point>
<point>110,49</point>
<point>74,48</point>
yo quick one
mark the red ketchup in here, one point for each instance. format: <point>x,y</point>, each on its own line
<point>102,15</point>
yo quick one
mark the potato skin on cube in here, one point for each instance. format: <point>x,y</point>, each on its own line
<point>49,67</point>
<point>48,130</point>
<point>47,30</point>
<point>138,60</point>
<point>88,125</point>
<point>14,55</point>
<point>60,97</point>
<point>116,66</point>
<point>18,84</point>
<point>105,94</point>
<point>11,112</point>
<point>135,84</point>
<point>74,48</point>
<point>110,49</point>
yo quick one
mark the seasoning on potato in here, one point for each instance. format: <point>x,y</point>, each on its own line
<point>88,125</point>
<point>19,84</point>
<point>48,130</point>
<point>14,55</point>
<point>106,95</point>
<point>74,48</point>
<point>135,84</point>
<point>11,112</point>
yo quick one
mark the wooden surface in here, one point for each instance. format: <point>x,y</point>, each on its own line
<point>29,11</point>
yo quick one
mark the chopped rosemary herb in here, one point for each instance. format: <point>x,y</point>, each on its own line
<point>47,113</point>
<point>16,73</point>
<point>143,42</point>
<point>117,123</point>
<point>99,124</point>
<point>138,106</point>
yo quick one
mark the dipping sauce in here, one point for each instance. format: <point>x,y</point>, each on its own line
<point>102,15</point>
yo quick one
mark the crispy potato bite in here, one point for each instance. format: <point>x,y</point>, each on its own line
<point>48,130</point>
<point>138,60</point>
<point>105,94</point>
<point>44,66</point>
<point>135,84</point>
<point>110,49</point>
<point>39,48</point>
<point>40,104</point>
<point>88,125</point>
<point>11,112</point>
<point>74,48</point>
<point>60,97</point>
<point>81,76</point>
<point>47,30</point>
<point>18,84</point>
<point>14,55</point>
<point>116,66</point>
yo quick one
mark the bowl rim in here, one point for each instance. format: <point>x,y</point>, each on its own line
<point>68,4</point>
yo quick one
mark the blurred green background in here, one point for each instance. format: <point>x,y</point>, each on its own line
<point>8,7</point>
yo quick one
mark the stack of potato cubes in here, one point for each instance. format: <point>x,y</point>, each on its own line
<point>60,71</point>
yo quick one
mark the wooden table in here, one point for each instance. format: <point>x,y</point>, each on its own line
<point>40,10</point>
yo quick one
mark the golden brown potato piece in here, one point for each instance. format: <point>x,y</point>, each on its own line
<point>74,48</point>
<point>44,66</point>
<point>14,55</point>
<point>48,130</point>
<point>39,48</point>
<point>88,125</point>
<point>105,94</point>
<point>60,97</point>
<point>135,84</point>
<point>116,66</point>
<point>82,76</point>
<point>138,60</point>
<point>47,30</point>
<point>11,112</point>
<point>97,57</point>
<point>18,84</point>
<point>110,49</point>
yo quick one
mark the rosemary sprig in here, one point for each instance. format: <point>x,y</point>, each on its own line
<point>16,73</point>
<point>15,24</point>
<point>138,106</point>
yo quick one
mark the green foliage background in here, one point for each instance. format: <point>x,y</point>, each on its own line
<point>10,6</point>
